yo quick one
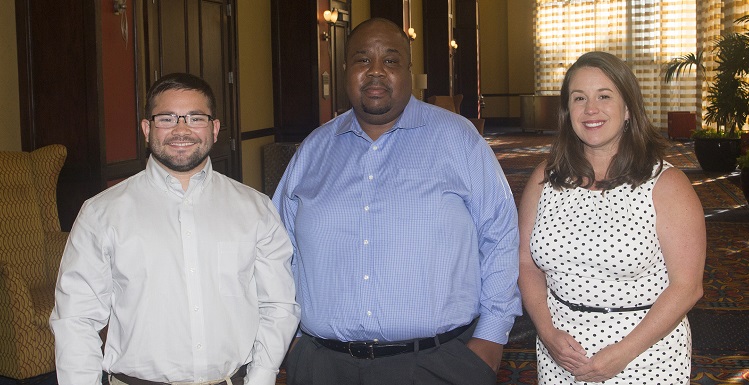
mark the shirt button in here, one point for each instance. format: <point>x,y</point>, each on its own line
<point>375,148</point>
<point>366,208</point>
<point>366,241</point>
<point>192,269</point>
<point>188,233</point>
<point>369,313</point>
<point>371,177</point>
<point>199,346</point>
<point>195,308</point>
<point>366,277</point>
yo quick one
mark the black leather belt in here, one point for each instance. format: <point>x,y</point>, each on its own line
<point>237,378</point>
<point>590,309</point>
<point>375,349</point>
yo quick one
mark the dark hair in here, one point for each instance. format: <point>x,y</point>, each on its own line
<point>641,146</point>
<point>378,20</point>
<point>179,81</point>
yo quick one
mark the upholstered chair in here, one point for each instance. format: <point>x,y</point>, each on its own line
<point>31,245</point>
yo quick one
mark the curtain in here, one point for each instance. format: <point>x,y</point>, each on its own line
<point>646,34</point>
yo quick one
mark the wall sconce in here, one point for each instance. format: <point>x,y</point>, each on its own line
<point>119,6</point>
<point>331,17</point>
<point>411,34</point>
<point>453,44</point>
<point>419,82</point>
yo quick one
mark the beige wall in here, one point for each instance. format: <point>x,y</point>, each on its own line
<point>506,63</point>
<point>255,84</point>
<point>359,12</point>
<point>10,129</point>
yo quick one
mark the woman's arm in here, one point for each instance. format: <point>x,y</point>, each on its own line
<point>567,352</point>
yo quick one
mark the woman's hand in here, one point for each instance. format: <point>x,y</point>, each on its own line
<point>565,350</point>
<point>605,364</point>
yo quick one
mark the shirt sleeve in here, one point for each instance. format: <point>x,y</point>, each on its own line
<point>287,207</point>
<point>493,209</point>
<point>279,312</point>
<point>82,303</point>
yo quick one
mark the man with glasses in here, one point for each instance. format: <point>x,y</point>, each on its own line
<point>189,268</point>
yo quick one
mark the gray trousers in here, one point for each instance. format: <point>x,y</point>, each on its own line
<point>451,363</point>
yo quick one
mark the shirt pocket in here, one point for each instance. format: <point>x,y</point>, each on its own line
<point>414,195</point>
<point>235,267</point>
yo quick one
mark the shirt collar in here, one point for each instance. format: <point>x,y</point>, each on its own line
<point>165,180</point>
<point>412,117</point>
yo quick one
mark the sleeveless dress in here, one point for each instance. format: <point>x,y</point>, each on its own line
<point>601,250</point>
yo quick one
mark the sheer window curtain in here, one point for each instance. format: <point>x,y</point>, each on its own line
<point>644,33</point>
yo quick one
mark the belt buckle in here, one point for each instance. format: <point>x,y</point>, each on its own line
<point>366,347</point>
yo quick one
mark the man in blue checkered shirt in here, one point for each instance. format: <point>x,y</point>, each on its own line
<point>405,235</point>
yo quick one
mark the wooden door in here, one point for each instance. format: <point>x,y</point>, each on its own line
<point>60,93</point>
<point>197,36</point>
<point>466,68</point>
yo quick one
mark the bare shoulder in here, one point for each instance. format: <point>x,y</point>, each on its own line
<point>538,172</point>
<point>534,182</point>
<point>533,189</point>
<point>674,192</point>
<point>672,184</point>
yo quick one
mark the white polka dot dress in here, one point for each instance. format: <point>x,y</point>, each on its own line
<point>602,250</point>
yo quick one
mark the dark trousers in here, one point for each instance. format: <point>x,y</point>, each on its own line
<point>451,363</point>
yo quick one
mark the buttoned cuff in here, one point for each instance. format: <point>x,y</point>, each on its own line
<point>493,329</point>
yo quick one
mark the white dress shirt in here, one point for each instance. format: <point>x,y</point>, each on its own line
<point>193,284</point>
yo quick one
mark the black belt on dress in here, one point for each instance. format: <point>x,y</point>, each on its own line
<point>239,375</point>
<point>591,309</point>
<point>375,349</point>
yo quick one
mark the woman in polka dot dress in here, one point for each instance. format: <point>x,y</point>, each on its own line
<point>612,245</point>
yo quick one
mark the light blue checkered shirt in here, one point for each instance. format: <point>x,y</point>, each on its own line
<point>405,237</point>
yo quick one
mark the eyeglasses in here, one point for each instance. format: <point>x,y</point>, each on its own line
<point>171,120</point>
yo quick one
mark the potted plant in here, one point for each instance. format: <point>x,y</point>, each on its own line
<point>727,98</point>
<point>743,162</point>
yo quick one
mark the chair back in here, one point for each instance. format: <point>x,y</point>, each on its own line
<point>28,208</point>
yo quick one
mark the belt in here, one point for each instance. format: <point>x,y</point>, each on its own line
<point>239,375</point>
<point>575,307</point>
<point>375,349</point>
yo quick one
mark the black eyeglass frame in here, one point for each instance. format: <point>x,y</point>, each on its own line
<point>184,117</point>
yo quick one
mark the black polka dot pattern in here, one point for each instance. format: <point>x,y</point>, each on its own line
<point>601,250</point>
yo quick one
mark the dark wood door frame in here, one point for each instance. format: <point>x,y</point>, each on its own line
<point>179,38</point>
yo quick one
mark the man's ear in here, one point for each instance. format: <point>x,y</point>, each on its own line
<point>216,128</point>
<point>145,126</point>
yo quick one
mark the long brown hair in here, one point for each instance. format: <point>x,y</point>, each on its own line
<point>641,146</point>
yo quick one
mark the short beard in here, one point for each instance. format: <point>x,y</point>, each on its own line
<point>170,163</point>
